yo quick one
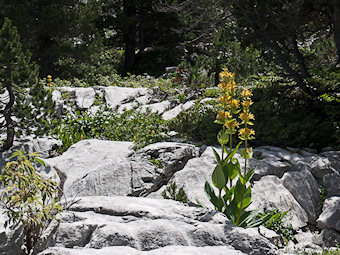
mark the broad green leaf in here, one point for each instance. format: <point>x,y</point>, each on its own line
<point>222,137</point>
<point>249,175</point>
<point>217,202</point>
<point>218,159</point>
<point>218,178</point>
<point>233,152</point>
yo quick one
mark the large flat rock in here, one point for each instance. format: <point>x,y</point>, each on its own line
<point>149,224</point>
<point>123,250</point>
<point>95,167</point>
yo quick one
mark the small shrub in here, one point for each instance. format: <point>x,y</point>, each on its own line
<point>132,125</point>
<point>28,198</point>
<point>170,192</point>
<point>197,124</point>
<point>275,223</point>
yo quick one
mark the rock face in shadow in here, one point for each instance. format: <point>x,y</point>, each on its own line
<point>305,189</point>
<point>146,224</point>
<point>154,165</point>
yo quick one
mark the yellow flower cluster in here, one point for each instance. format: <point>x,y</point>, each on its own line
<point>227,84</point>
<point>49,82</point>
<point>229,104</point>
<point>231,107</point>
<point>246,133</point>
<point>246,116</point>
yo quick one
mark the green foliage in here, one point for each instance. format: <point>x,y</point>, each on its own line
<point>323,195</point>
<point>194,75</point>
<point>197,124</point>
<point>29,199</point>
<point>141,128</point>
<point>274,222</point>
<point>29,107</point>
<point>237,197</point>
<point>156,162</point>
<point>95,70</point>
<point>325,251</point>
<point>170,192</point>
<point>288,118</point>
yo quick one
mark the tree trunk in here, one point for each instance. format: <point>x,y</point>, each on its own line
<point>335,17</point>
<point>8,119</point>
<point>129,34</point>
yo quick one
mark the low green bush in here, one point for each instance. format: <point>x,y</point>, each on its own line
<point>286,117</point>
<point>132,125</point>
<point>275,223</point>
<point>197,124</point>
<point>28,198</point>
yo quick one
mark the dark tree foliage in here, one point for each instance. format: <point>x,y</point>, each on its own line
<point>55,29</point>
<point>283,29</point>
<point>24,103</point>
<point>145,30</point>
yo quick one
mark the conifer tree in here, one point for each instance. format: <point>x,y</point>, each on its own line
<point>25,106</point>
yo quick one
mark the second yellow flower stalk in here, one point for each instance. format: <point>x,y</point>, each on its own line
<point>230,112</point>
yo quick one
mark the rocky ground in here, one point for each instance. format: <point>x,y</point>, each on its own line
<point>120,209</point>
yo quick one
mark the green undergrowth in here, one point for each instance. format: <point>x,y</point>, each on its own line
<point>325,251</point>
<point>276,224</point>
<point>132,125</point>
<point>197,124</point>
<point>171,192</point>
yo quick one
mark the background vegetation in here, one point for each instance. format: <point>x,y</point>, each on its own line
<point>286,51</point>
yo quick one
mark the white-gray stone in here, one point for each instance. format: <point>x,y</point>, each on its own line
<point>270,193</point>
<point>95,167</point>
<point>305,189</point>
<point>332,183</point>
<point>148,224</point>
<point>123,250</point>
<point>330,216</point>
<point>127,107</point>
<point>11,240</point>
<point>148,176</point>
<point>156,107</point>
<point>85,97</point>
<point>173,113</point>
<point>115,96</point>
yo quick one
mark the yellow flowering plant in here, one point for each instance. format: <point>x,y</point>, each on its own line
<point>233,198</point>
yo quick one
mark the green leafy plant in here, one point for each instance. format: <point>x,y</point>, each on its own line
<point>132,125</point>
<point>170,192</point>
<point>156,162</point>
<point>275,223</point>
<point>234,190</point>
<point>197,124</point>
<point>28,198</point>
<point>325,251</point>
<point>323,195</point>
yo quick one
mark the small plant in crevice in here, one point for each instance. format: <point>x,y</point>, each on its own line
<point>171,192</point>
<point>233,184</point>
<point>156,162</point>
<point>323,194</point>
<point>29,199</point>
<point>275,223</point>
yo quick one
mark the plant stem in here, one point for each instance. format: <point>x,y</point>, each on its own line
<point>245,160</point>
